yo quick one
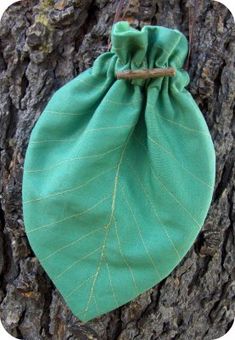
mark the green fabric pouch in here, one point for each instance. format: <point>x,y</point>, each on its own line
<point>119,174</point>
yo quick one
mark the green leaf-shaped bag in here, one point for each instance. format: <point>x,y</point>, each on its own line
<point>119,174</point>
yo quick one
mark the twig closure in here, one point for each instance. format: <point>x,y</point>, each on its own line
<point>146,73</point>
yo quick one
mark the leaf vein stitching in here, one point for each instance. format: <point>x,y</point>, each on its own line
<point>70,189</point>
<point>107,227</point>
<point>74,159</point>
<point>140,235</point>
<point>182,166</point>
<point>84,132</point>
<point>69,217</point>
<point>71,243</point>
<point>157,215</point>
<point>111,285</point>
<point>78,287</point>
<point>177,124</point>
<point>76,262</point>
<point>124,258</point>
<point>171,194</point>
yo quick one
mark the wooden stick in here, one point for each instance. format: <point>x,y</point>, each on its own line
<point>146,73</point>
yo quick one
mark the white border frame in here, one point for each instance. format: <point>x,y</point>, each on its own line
<point>230,4</point>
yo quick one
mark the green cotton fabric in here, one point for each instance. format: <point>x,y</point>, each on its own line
<point>118,175</point>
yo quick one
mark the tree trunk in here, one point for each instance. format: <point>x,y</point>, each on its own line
<point>44,44</point>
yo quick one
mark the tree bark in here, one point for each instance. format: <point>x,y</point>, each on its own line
<point>44,44</point>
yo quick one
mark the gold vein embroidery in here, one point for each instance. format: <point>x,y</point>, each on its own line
<point>171,194</point>
<point>189,237</point>
<point>85,113</point>
<point>78,287</point>
<point>173,122</point>
<point>59,193</point>
<point>121,103</point>
<point>85,131</point>
<point>96,305</point>
<point>176,199</point>
<point>76,262</point>
<point>109,128</point>
<point>140,235</point>
<point>124,258</point>
<point>53,140</point>
<point>156,214</point>
<point>98,267</point>
<point>69,217</point>
<point>72,243</point>
<point>64,113</point>
<point>158,114</point>
<point>67,98</point>
<point>91,86</point>
<point>107,227</point>
<point>181,165</point>
<point>111,285</point>
<point>74,159</point>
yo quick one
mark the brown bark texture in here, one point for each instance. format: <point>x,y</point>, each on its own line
<point>44,44</point>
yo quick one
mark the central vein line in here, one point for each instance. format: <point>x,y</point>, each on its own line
<point>108,225</point>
